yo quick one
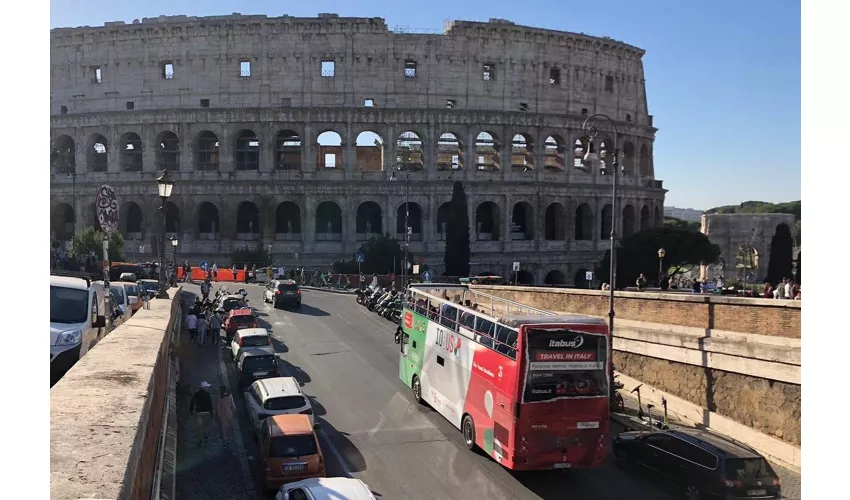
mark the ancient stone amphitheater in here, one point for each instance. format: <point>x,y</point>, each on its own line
<point>286,132</point>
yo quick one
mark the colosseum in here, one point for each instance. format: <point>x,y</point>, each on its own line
<point>291,132</point>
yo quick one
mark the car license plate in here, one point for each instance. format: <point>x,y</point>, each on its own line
<point>294,467</point>
<point>756,493</point>
<point>260,374</point>
<point>562,465</point>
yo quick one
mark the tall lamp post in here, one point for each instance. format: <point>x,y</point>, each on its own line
<point>164,184</point>
<point>592,158</point>
<point>661,254</point>
<point>174,244</point>
<point>402,167</point>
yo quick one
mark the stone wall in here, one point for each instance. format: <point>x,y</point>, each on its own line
<point>767,406</point>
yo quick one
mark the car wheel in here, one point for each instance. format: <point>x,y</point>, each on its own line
<point>468,427</point>
<point>692,492</point>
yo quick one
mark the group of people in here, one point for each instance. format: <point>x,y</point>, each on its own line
<point>202,409</point>
<point>203,318</point>
<point>787,289</point>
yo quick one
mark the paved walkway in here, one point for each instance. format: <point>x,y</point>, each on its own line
<point>210,471</point>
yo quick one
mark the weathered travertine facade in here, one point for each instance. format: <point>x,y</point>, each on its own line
<point>234,106</point>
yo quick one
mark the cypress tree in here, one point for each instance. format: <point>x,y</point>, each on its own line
<point>456,257</point>
<point>781,261</point>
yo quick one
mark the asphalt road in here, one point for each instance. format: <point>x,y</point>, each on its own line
<point>347,360</point>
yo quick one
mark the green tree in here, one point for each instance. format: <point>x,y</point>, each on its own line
<point>258,256</point>
<point>799,264</point>
<point>379,255</point>
<point>676,223</point>
<point>90,240</point>
<point>760,207</point>
<point>456,257</point>
<point>638,254</point>
<point>781,262</point>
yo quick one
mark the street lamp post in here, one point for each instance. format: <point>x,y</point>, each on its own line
<point>592,158</point>
<point>164,184</point>
<point>402,167</point>
<point>661,254</point>
<point>174,244</point>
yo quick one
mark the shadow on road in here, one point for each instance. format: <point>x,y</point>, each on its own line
<point>290,370</point>
<point>354,460</point>
<point>308,310</point>
<point>318,409</point>
<point>279,347</point>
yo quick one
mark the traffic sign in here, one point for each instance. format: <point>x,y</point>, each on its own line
<point>203,265</point>
<point>426,276</point>
<point>516,266</point>
<point>359,257</point>
<point>588,275</point>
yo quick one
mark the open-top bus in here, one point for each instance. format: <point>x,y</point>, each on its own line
<point>527,386</point>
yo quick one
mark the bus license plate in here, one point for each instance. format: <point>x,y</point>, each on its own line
<point>562,465</point>
<point>756,493</point>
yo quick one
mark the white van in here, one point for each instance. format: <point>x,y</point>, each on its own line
<point>77,319</point>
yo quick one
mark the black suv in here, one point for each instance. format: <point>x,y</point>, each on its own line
<point>705,464</point>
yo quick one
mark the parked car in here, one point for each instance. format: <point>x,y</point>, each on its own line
<point>289,451</point>
<point>326,488</point>
<point>705,464</point>
<point>118,293</point>
<point>239,319</point>
<point>249,337</point>
<point>282,292</point>
<point>231,302</point>
<point>254,363</point>
<point>276,396</point>
<point>77,319</point>
<point>134,295</point>
<point>151,287</point>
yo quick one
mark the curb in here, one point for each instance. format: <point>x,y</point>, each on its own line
<point>328,290</point>
<point>247,477</point>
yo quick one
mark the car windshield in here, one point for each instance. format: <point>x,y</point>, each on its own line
<point>258,363</point>
<point>116,297</point>
<point>292,446</point>
<point>285,403</point>
<point>242,319</point>
<point>68,305</point>
<point>131,289</point>
<point>747,468</point>
<point>256,341</point>
<point>150,286</point>
<point>233,303</point>
<point>117,291</point>
<point>287,288</point>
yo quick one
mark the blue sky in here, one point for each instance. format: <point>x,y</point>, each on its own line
<point>722,77</point>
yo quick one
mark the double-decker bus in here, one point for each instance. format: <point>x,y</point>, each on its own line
<point>526,386</point>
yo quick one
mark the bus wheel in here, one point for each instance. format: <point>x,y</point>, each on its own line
<point>417,390</point>
<point>468,427</point>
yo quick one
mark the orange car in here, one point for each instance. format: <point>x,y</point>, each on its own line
<point>134,294</point>
<point>289,450</point>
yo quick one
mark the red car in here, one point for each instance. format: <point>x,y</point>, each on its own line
<point>239,319</point>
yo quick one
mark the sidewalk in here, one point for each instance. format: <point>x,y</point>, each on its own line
<point>211,471</point>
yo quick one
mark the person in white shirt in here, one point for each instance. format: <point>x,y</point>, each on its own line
<point>789,290</point>
<point>192,325</point>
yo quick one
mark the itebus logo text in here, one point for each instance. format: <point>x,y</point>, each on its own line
<point>575,343</point>
<point>448,341</point>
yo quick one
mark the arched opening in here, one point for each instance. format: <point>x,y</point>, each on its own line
<point>645,168</point>
<point>628,158</point>
<point>134,218</point>
<point>522,153</point>
<point>328,150</point>
<point>62,222</point>
<point>65,156</point>
<point>522,222</point>
<point>414,221</point>
<point>644,218</point>
<point>443,216</point>
<point>208,222</point>
<point>172,218</point>
<point>409,151</point>
<point>487,222</point>
<point>328,222</point>
<point>580,279</point>
<point>580,147</point>
<point>487,156</point>
<point>606,153</point>
<point>554,152</point>
<point>524,277</point>
<point>247,221</point>
<point>206,151</point>
<point>659,217</point>
<point>131,152</point>
<point>287,146</point>
<point>556,222</point>
<point>584,223</point>
<point>247,150</point>
<point>168,152</point>
<point>555,277</point>
<point>288,221</point>
<point>605,223</point>
<point>369,151</point>
<point>628,221</point>
<point>449,152</point>
<point>368,222</point>
<point>97,157</point>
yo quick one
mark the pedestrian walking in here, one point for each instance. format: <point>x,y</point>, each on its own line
<point>226,412</point>
<point>202,328</point>
<point>201,408</point>
<point>192,325</point>
<point>215,328</point>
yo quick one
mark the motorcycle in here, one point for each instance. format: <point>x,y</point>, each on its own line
<point>385,297</point>
<point>370,301</point>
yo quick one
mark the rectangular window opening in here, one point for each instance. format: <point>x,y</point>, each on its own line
<point>369,103</point>
<point>609,83</point>
<point>450,103</point>
<point>63,110</point>
<point>554,76</point>
<point>244,69</point>
<point>328,69</point>
<point>584,111</point>
<point>168,71</point>
<point>523,106</point>
<point>410,69</point>
<point>488,72</point>
<point>131,105</point>
<point>205,103</point>
<point>97,75</point>
<point>330,160</point>
<point>628,117</point>
<point>285,102</point>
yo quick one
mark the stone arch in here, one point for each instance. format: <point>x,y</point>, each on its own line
<point>554,149</point>
<point>172,218</point>
<point>645,164</point>
<point>524,277</point>
<point>288,219</point>
<point>555,277</point>
<point>487,221</point>
<point>449,152</point>
<point>628,158</point>
<point>444,213</point>
<point>487,152</point>
<point>644,218</point>
<point>329,150</point>
<point>62,222</point>
<point>555,223</point>
<point>96,155</point>
<point>522,221</point>
<point>246,150</point>
<point>368,219</point>
<point>131,152</point>
<point>65,150</point>
<point>208,218</point>
<point>369,151</point>
<point>583,223</point>
<point>414,220</point>
<point>134,218</point>
<point>328,221</point>
<point>207,150</point>
<point>410,151</point>
<point>168,151</point>
<point>248,219</point>
<point>605,222</point>
<point>287,148</point>
<point>522,152</point>
<point>580,279</point>
<point>628,221</point>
